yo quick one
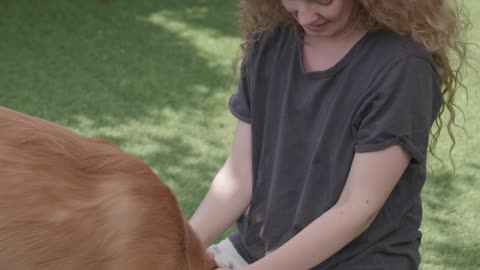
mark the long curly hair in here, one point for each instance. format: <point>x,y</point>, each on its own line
<point>436,24</point>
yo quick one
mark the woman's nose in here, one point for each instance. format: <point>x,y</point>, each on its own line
<point>306,15</point>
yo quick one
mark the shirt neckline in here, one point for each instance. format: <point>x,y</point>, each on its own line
<point>335,68</point>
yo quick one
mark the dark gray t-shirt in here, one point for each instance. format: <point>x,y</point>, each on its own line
<point>306,128</point>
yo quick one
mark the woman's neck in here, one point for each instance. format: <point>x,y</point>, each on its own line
<point>322,53</point>
<point>349,36</point>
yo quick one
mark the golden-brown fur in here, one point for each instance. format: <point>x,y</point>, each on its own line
<point>70,202</point>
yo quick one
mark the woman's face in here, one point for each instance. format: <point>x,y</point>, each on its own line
<point>321,18</point>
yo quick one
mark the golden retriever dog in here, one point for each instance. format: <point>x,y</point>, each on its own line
<point>71,202</point>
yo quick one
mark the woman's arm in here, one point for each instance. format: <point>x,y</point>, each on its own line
<point>230,192</point>
<point>371,179</point>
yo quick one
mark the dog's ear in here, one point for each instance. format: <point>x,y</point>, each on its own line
<point>211,263</point>
<point>196,254</point>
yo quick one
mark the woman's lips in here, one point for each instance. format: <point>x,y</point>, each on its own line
<point>316,27</point>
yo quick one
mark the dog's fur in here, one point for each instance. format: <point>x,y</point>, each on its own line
<point>71,202</point>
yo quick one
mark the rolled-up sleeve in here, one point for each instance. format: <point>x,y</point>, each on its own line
<point>240,102</point>
<point>401,107</point>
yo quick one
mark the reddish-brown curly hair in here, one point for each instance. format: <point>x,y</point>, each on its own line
<point>436,24</point>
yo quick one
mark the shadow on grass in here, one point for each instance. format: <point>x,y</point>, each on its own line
<point>443,199</point>
<point>62,60</point>
<point>457,255</point>
<point>219,15</point>
<point>101,62</point>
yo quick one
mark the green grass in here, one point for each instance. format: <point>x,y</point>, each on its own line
<point>154,78</point>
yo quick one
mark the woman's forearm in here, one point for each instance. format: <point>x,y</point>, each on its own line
<point>230,192</point>
<point>225,201</point>
<point>318,241</point>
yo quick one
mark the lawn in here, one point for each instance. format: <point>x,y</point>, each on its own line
<point>154,77</point>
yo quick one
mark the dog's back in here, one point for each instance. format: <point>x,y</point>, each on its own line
<point>70,202</point>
